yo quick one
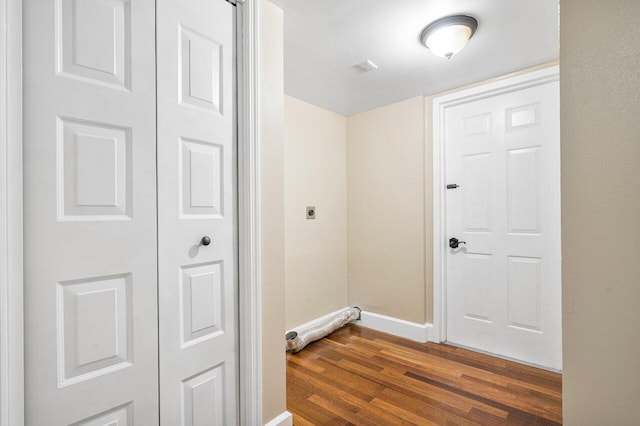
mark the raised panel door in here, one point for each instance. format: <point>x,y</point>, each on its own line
<point>196,198</point>
<point>90,279</point>
<point>504,285</point>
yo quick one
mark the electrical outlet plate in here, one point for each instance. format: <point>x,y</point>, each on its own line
<point>311,212</point>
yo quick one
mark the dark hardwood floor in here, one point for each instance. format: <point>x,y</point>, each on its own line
<point>359,376</point>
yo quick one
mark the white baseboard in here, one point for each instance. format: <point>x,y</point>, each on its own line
<point>409,330</point>
<point>401,328</point>
<point>316,321</point>
<point>283,419</point>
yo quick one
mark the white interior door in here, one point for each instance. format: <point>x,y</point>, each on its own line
<point>196,187</point>
<point>90,213</point>
<point>503,292</point>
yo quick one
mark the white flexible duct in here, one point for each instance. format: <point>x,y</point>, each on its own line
<point>296,340</point>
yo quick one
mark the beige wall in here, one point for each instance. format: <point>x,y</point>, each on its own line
<point>374,163</point>
<point>600,112</point>
<point>315,175</point>
<point>385,219</point>
<point>271,128</point>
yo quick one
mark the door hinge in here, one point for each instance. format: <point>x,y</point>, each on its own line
<point>233,2</point>
<point>453,186</point>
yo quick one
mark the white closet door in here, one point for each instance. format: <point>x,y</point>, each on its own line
<point>196,187</point>
<point>504,284</point>
<point>90,212</point>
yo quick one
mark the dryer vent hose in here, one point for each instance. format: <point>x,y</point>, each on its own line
<point>296,340</point>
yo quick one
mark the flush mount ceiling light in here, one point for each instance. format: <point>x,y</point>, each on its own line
<point>447,36</point>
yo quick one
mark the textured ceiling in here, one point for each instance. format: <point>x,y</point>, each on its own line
<point>325,38</point>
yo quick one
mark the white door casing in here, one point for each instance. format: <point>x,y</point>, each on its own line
<point>249,194</point>
<point>196,199</point>
<point>11,317</point>
<point>503,287</point>
<point>90,212</point>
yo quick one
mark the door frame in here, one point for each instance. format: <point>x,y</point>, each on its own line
<point>249,253</point>
<point>440,105</point>
<point>11,226</point>
<point>11,325</point>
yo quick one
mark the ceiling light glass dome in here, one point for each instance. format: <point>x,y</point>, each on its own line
<point>449,35</point>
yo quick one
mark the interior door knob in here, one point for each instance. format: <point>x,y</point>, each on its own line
<point>205,241</point>
<point>454,242</point>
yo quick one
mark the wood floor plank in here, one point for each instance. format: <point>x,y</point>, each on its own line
<point>313,413</point>
<point>510,408</point>
<point>482,361</point>
<point>358,376</point>
<point>404,414</point>
<point>368,415</point>
<point>320,384</point>
<point>428,408</point>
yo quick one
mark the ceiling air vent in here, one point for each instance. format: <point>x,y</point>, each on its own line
<point>365,66</point>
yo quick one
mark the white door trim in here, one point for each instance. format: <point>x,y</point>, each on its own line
<point>11,229</point>
<point>440,104</point>
<point>249,258</point>
<point>11,335</point>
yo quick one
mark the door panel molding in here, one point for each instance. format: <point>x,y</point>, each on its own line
<point>440,105</point>
<point>11,324</point>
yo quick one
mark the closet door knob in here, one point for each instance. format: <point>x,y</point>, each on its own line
<point>205,241</point>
